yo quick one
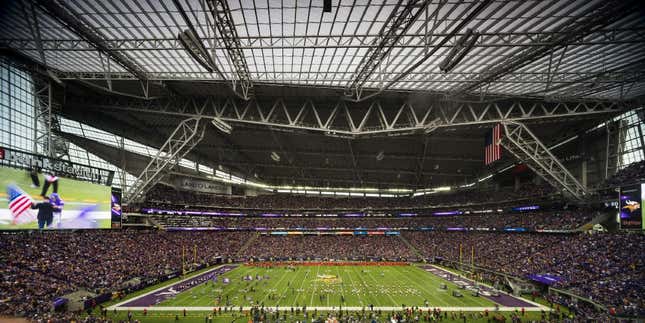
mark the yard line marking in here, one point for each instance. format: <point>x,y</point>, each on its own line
<point>286,290</point>
<point>388,294</point>
<point>341,287</point>
<point>404,275</point>
<point>275,286</point>
<point>491,309</point>
<point>313,289</point>
<point>301,285</point>
<point>353,286</point>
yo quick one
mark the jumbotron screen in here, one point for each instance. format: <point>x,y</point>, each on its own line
<point>71,204</point>
<point>632,215</point>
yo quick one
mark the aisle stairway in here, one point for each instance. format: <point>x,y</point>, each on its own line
<point>247,244</point>
<point>407,243</point>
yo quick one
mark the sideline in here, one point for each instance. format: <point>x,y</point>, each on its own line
<point>490,309</point>
<point>540,306</point>
<point>118,306</point>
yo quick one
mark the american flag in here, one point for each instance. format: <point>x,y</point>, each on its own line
<point>19,205</point>
<point>492,148</point>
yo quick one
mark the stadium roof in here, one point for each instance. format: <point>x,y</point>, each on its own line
<point>322,89</point>
<point>565,43</point>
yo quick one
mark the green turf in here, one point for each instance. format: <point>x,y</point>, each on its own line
<point>382,286</point>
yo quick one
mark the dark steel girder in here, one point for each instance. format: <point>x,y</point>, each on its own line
<point>610,36</point>
<point>463,23</point>
<point>342,119</point>
<point>361,170</point>
<point>223,21</point>
<point>77,23</point>
<point>370,155</point>
<point>396,25</point>
<point>593,19</point>
<point>343,181</point>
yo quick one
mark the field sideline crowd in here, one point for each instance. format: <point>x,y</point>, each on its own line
<point>608,268</point>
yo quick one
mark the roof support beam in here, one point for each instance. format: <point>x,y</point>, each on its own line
<point>595,18</point>
<point>464,22</point>
<point>409,118</point>
<point>337,181</point>
<point>31,17</point>
<point>185,137</point>
<point>340,154</point>
<point>344,170</point>
<point>226,29</point>
<point>355,170</point>
<point>419,172</point>
<point>528,148</point>
<point>606,36</point>
<point>193,44</point>
<point>396,25</point>
<point>77,24</point>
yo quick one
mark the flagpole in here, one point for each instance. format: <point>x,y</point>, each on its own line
<point>183,257</point>
<point>472,260</point>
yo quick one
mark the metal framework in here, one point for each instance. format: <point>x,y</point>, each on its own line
<point>344,119</point>
<point>43,110</point>
<point>183,139</point>
<point>595,17</point>
<point>342,154</point>
<point>472,13</point>
<point>191,41</point>
<point>226,28</point>
<point>83,28</point>
<point>523,46</point>
<point>29,13</point>
<point>46,123</point>
<point>565,78</point>
<point>526,147</point>
<point>614,147</point>
<point>520,39</point>
<point>396,25</point>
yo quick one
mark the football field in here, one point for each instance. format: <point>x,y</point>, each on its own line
<point>324,287</point>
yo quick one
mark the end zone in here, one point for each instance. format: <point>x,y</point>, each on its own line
<point>151,298</point>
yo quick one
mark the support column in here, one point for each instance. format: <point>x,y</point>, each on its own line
<point>525,146</point>
<point>185,137</point>
<point>640,134</point>
<point>123,165</point>
<point>43,115</point>
<point>583,173</point>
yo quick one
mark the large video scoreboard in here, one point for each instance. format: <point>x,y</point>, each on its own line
<point>632,216</point>
<point>41,192</point>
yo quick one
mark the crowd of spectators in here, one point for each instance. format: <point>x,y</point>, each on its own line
<point>632,174</point>
<point>36,268</point>
<point>162,196</point>
<point>559,220</point>
<point>607,268</point>
<point>329,247</point>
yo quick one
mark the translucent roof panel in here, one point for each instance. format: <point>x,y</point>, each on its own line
<point>295,42</point>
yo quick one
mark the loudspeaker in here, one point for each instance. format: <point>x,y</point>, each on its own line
<point>326,5</point>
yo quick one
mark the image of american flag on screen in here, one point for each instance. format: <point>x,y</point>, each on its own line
<point>19,205</point>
